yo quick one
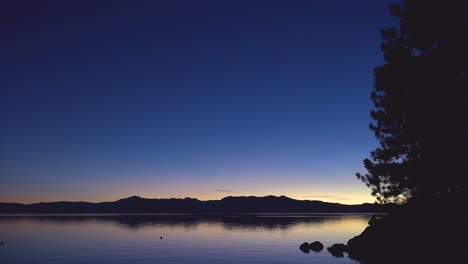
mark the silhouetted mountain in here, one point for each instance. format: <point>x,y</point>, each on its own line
<point>136,204</point>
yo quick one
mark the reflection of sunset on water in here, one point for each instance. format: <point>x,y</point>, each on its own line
<point>95,237</point>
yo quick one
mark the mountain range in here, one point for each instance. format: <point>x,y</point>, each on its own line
<point>230,204</point>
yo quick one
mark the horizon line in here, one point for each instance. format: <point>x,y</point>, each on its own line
<point>137,196</point>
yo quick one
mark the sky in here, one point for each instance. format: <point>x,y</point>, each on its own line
<point>101,100</point>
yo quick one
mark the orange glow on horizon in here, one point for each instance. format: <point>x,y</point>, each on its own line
<point>342,199</point>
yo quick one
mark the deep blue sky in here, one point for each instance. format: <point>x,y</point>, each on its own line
<point>105,99</point>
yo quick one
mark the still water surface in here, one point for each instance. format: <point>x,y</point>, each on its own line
<point>185,238</point>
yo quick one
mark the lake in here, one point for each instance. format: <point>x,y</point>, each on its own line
<point>264,238</point>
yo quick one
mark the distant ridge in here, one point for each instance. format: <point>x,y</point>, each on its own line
<point>230,204</point>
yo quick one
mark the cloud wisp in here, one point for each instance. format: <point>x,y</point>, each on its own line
<point>225,190</point>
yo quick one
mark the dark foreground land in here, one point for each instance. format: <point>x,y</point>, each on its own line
<point>429,231</point>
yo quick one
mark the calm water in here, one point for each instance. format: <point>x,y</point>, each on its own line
<point>186,238</point>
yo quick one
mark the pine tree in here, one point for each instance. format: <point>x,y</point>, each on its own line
<point>421,103</point>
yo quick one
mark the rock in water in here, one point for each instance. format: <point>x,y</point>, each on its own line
<point>337,250</point>
<point>337,254</point>
<point>305,247</point>
<point>316,246</point>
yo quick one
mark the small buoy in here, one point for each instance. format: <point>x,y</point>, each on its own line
<point>1,243</point>
<point>160,238</point>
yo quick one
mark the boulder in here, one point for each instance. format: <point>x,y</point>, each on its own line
<point>305,247</point>
<point>337,250</point>
<point>316,246</point>
<point>337,254</point>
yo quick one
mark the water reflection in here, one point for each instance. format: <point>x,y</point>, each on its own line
<point>261,238</point>
<point>229,222</point>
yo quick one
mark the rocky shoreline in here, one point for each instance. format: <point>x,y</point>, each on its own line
<point>417,232</point>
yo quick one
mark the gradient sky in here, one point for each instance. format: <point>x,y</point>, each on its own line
<point>203,99</point>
